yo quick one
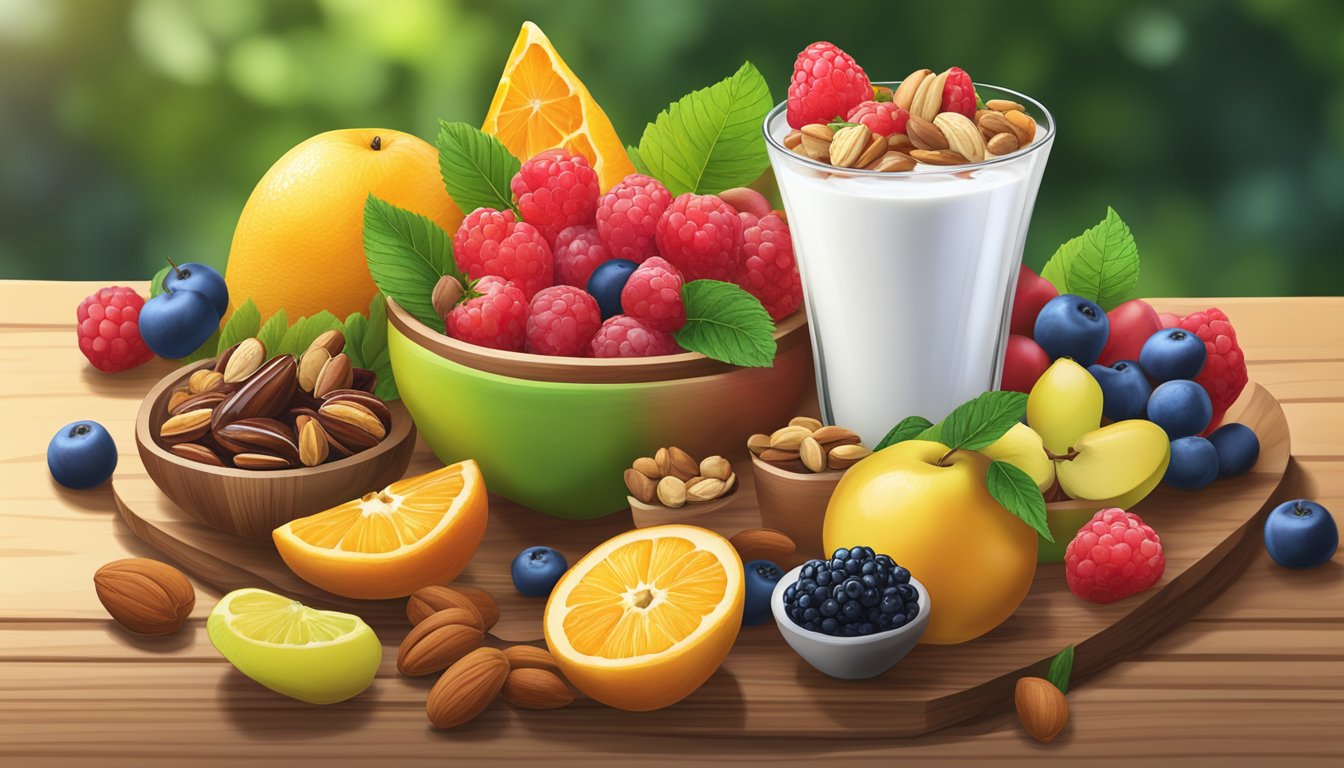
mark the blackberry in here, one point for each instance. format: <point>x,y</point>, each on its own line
<point>854,592</point>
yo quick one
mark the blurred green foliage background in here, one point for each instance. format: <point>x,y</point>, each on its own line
<point>131,130</point>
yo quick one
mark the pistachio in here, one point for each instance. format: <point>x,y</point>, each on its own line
<point>335,374</point>
<point>246,359</point>
<point>186,427</point>
<point>376,407</point>
<point>179,396</point>
<point>258,435</point>
<point>204,380</point>
<point>260,461</point>
<point>333,341</point>
<point>266,393</point>
<point>196,452</point>
<point>310,365</point>
<point>313,444</point>
<point>672,492</point>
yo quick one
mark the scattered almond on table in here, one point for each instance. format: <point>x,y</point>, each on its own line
<point>806,445</point>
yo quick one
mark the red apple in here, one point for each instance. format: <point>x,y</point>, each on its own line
<point>1023,363</point>
<point>1033,292</point>
<point>1169,319</point>
<point>1132,324</point>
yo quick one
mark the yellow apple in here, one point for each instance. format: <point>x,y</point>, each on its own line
<point>1116,463</point>
<point>1022,447</point>
<point>1064,405</point>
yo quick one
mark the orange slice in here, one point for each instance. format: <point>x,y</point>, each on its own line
<point>416,532</point>
<point>541,104</point>
<point>645,618</point>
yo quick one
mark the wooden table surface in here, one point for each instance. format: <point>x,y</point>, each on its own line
<point>1259,673</point>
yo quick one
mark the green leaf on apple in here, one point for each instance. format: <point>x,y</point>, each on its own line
<point>407,254</point>
<point>272,333</point>
<point>977,423</point>
<point>1061,669</point>
<point>156,282</point>
<point>909,429</point>
<point>725,323</point>
<point>1101,265</point>
<point>1017,492</point>
<point>244,323</point>
<point>476,168</point>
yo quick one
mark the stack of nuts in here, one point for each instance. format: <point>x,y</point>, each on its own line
<point>252,413</point>
<point>931,137</point>
<point>805,445</point>
<point>673,478</point>
<point>448,636</point>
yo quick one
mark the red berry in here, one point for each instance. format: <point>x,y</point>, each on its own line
<point>1132,324</point>
<point>1224,374</point>
<point>700,235</point>
<point>562,321</point>
<point>1032,293</point>
<point>768,269</point>
<point>1023,363</point>
<point>826,83</point>
<point>882,117</point>
<point>627,216</point>
<point>491,242</point>
<point>746,200</point>
<point>959,93</point>
<point>1169,319</point>
<point>578,251</point>
<point>497,318</point>
<point>556,189</point>
<point>653,294</point>
<point>108,328</point>
<point>624,336</point>
<point>1114,555</point>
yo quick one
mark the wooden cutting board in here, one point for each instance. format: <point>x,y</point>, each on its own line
<point>764,688</point>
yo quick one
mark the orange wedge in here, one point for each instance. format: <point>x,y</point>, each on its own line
<point>645,618</point>
<point>541,104</point>
<point>416,532</point>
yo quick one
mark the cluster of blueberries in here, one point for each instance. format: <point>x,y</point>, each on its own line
<point>856,592</point>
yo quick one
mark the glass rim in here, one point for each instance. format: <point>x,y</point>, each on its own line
<point>922,169</point>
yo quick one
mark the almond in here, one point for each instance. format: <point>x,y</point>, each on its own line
<point>924,134</point>
<point>314,447</point>
<point>246,359</point>
<point>777,455</point>
<point>356,415</point>
<point>1003,105</point>
<point>938,157</point>
<point>899,142</point>
<point>793,139</point>
<point>439,641</point>
<point>1041,707</point>
<point>647,467</point>
<point>789,438</point>
<point>763,544</point>
<point>196,452</point>
<point>904,95</point>
<point>179,396</point>
<point>672,492</point>
<point>530,688</point>
<point>145,596</point>
<point>684,465</point>
<point>846,456</point>
<point>641,486</point>
<point>1002,143</point>
<point>484,602</point>
<point>204,380</point>
<point>466,689</point>
<point>757,443</point>
<point>928,100</point>
<point>310,365</point>
<point>186,426</point>
<point>530,657</point>
<point>716,467</point>
<point>816,142</point>
<point>705,489</point>
<point>806,422</point>
<point>1023,127</point>
<point>992,123</point>
<point>335,374</point>
<point>962,135</point>
<point>877,147</point>
<point>849,145</point>
<point>811,454</point>
<point>832,433</point>
<point>893,162</point>
<point>260,461</point>
<point>426,601</point>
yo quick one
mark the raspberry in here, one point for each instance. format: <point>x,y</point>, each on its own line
<point>700,235</point>
<point>959,93</point>
<point>653,294</point>
<point>882,117</point>
<point>108,327</point>
<point>1224,374</point>
<point>497,318</point>
<point>768,270</point>
<point>556,189</point>
<point>578,250</point>
<point>826,82</point>
<point>628,215</point>
<point>562,321</point>
<point>491,242</point>
<point>1114,555</point>
<point>625,336</point>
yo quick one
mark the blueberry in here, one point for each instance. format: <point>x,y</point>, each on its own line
<point>884,621</point>
<point>1301,534</point>
<point>811,614</point>
<point>607,282</point>
<point>1124,390</point>
<point>202,279</point>
<point>901,619</point>
<point>829,626</point>
<point>804,601</point>
<point>900,575</point>
<point>1238,449</point>
<point>891,604</point>
<point>808,572</point>
<point>908,593</point>
<point>870,598</point>
<point>829,608</point>
<point>871,581</point>
<point>536,570</point>
<point>1071,326</point>
<point>81,455</point>
<point>1181,408</point>
<point>790,592</point>
<point>853,588</point>
<point>810,626</point>
<point>824,579</point>
<point>851,611</point>
<point>866,628</point>
<point>852,567</point>
<point>911,611</point>
<point>1172,354</point>
<point>820,593</point>
<point>885,561</point>
<point>1194,464</point>
<point>806,585</point>
<point>762,576</point>
<point>869,568</point>
<point>840,554</point>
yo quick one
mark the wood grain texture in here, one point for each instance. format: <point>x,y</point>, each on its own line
<point>1245,681</point>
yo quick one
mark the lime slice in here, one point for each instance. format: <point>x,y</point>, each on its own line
<point>320,657</point>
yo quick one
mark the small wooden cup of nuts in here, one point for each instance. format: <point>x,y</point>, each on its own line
<point>672,487</point>
<point>796,469</point>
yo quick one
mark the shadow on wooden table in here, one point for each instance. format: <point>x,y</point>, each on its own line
<point>265,716</point>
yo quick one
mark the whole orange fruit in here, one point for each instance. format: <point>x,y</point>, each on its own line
<point>299,244</point>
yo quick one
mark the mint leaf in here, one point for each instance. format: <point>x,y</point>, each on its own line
<point>1061,668</point>
<point>1101,265</point>
<point>373,347</point>
<point>908,429</point>
<point>407,254</point>
<point>243,324</point>
<point>978,423</point>
<point>1017,492</point>
<point>156,282</point>
<point>710,140</point>
<point>636,160</point>
<point>272,333</point>
<point>726,323</point>
<point>476,168</point>
<point>356,325</point>
<point>301,334</point>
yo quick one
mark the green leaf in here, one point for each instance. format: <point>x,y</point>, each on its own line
<point>710,140</point>
<point>932,434</point>
<point>978,423</point>
<point>476,168</point>
<point>1017,492</point>
<point>1101,265</point>
<point>726,323</point>
<point>387,386</point>
<point>356,325</point>
<point>1061,668</point>
<point>908,429</point>
<point>301,334</point>
<point>156,282</point>
<point>636,160</point>
<point>243,324</point>
<point>407,254</point>
<point>374,344</point>
<point>205,351</point>
<point>272,333</point>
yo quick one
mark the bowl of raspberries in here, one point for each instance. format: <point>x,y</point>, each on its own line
<point>564,350</point>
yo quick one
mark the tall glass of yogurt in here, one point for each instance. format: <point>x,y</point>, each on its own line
<point>908,277</point>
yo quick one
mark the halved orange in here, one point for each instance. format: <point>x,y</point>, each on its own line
<point>416,532</point>
<point>645,618</point>
<point>541,104</point>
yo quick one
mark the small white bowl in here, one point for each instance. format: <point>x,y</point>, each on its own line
<point>849,658</point>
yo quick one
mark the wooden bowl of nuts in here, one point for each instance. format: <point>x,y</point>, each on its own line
<point>672,487</point>
<point>796,469</point>
<point>247,444</point>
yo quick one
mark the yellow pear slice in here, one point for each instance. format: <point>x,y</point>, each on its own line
<point>1116,462</point>
<point>1021,447</point>
<point>1064,405</point>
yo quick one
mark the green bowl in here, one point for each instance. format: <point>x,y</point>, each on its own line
<point>556,433</point>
